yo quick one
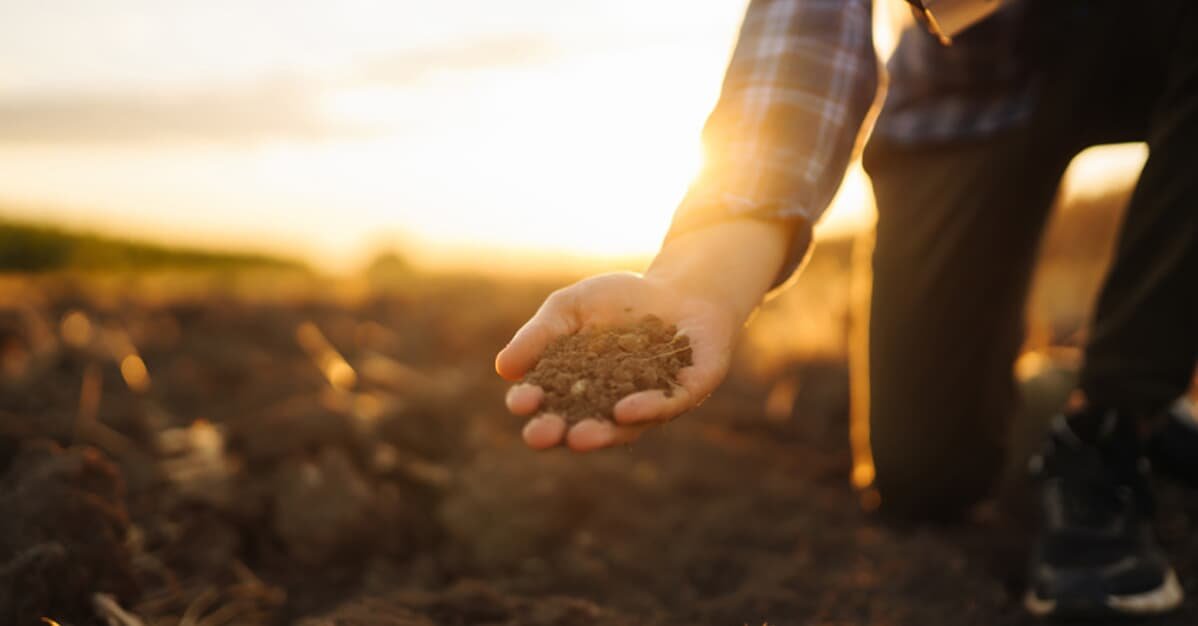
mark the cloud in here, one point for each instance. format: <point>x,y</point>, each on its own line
<point>226,113</point>
<point>411,66</point>
<point>277,108</point>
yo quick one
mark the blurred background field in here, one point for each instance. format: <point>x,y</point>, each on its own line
<point>214,438</point>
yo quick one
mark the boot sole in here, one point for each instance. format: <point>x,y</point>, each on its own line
<point>1154,602</point>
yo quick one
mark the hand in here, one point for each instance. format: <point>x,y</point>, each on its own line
<point>613,300</point>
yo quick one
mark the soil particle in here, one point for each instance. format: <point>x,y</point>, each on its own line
<point>298,426</point>
<point>584,375</point>
<point>465,603</point>
<point>62,535</point>
<point>321,506</point>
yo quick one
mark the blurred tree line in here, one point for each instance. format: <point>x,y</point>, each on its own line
<point>28,247</point>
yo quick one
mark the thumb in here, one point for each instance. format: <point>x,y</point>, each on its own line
<point>557,317</point>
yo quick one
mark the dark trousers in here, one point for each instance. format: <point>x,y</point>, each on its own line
<point>959,226</point>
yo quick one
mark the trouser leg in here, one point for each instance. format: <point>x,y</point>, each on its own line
<point>958,230</point>
<point>1144,338</point>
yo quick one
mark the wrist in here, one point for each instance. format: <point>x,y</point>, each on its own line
<point>731,263</point>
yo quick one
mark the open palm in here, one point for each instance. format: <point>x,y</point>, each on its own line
<point>613,300</point>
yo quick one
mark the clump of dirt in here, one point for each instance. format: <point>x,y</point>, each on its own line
<point>468,602</point>
<point>584,375</point>
<point>62,535</point>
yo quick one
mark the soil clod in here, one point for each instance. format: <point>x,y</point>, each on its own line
<point>584,375</point>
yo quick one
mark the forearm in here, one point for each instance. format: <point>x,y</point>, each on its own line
<point>793,105</point>
<point>733,262</point>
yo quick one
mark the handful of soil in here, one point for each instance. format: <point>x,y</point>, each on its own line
<point>584,375</point>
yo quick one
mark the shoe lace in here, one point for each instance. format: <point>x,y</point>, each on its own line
<point>1095,499</point>
<point>1098,491</point>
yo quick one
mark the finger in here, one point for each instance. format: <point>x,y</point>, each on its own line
<point>524,399</point>
<point>711,352</point>
<point>594,434</point>
<point>544,432</point>
<point>710,359</point>
<point>652,405</point>
<point>556,318</point>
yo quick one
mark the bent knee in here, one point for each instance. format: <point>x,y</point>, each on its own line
<point>917,482</point>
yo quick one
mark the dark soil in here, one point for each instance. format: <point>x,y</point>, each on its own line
<point>257,493</point>
<point>62,533</point>
<point>584,375</point>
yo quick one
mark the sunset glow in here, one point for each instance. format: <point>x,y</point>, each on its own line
<point>458,134</point>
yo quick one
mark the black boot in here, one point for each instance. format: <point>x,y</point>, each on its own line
<point>1096,554</point>
<point>1173,447</point>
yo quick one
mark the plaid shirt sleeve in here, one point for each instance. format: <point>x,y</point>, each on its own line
<point>801,81</point>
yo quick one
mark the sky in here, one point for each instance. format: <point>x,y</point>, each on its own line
<point>475,130</point>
